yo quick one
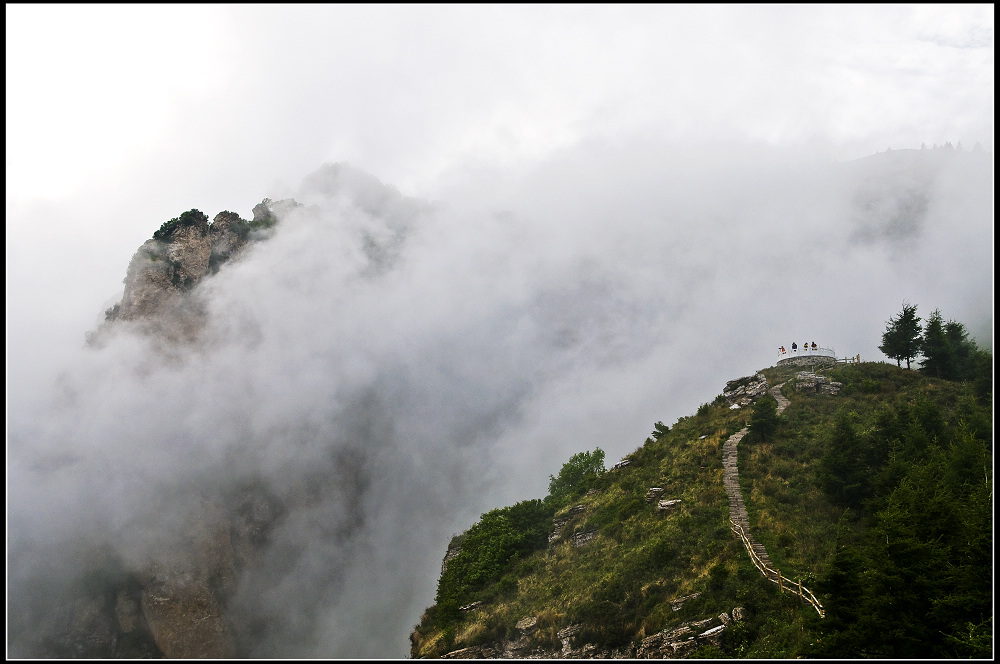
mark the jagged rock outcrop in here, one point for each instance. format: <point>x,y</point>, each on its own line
<point>810,382</point>
<point>176,605</point>
<point>744,391</point>
<point>560,522</point>
<point>683,640</point>
<point>165,266</point>
<point>229,235</point>
<point>157,298</point>
<point>677,642</point>
<point>181,600</point>
<point>527,624</point>
<point>676,604</point>
<point>454,548</point>
<point>667,505</point>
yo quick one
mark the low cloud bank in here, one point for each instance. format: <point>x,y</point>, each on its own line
<point>386,368</point>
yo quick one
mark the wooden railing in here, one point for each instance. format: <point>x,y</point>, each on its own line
<point>774,576</point>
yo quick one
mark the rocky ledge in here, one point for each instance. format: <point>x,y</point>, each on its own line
<point>810,382</point>
<point>677,642</point>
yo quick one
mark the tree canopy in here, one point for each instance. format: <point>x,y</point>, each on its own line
<point>576,473</point>
<point>949,353</point>
<point>190,218</point>
<point>764,421</point>
<point>945,349</point>
<point>901,339</point>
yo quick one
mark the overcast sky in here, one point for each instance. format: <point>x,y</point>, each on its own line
<point>612,211</point>
<point>121,117</point>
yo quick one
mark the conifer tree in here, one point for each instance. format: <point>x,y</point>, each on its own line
<point>938,360</point>
<point>963,350</point>
<point>901,339</point>
<point>764,421</point>
<point>949,353</point>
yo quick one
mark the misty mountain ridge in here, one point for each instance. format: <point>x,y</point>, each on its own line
<point>894,188</point>
<point>676,551</point>
<point>278,425</point>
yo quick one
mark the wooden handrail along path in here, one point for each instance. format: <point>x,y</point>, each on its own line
<point>739,523</point>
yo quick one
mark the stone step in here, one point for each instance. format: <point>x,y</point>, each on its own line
<point>730,464</point>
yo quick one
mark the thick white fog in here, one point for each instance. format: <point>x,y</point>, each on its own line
<point>387,398</point>
<point>502,258</point>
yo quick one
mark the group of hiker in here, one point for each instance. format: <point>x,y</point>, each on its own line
<point>795,347</point>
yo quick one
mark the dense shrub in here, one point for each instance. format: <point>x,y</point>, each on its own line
<point>764,421</point>
<point>189,218</point>
<point>489,548</point>
<point>576,476</point>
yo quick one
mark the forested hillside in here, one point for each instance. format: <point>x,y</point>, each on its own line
<point>877,498</point>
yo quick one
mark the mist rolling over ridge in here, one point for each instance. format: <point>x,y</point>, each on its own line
<point>385,368</point>
<point>504,235</point>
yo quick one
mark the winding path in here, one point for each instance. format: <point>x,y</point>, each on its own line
<point>731,478</point>
<point>738,511</point>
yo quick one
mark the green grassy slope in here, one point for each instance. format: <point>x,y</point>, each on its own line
<point>839,473</point>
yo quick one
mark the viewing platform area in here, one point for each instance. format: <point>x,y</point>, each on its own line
<point>806,356</point>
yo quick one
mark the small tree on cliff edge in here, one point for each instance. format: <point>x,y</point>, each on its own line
<point>576,474</point>
<point>901,339</point>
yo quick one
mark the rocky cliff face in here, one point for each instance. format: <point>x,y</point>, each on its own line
<point>185,584</point>
<point>744,391</point>
<point>164,267</point>
<point>228,238</point>
<point>161,275</point>
<point>175,608</point>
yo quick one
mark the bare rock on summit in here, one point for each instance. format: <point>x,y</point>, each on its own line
<point>175,259</point>
<point>149,282</point>
<point>228,234</point>
<point>157,299</point>
<point>180,254</point>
